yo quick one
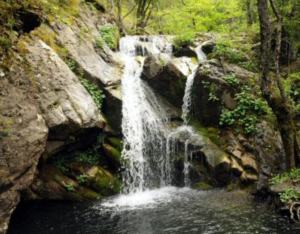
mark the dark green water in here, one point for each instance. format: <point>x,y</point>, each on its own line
<point>167,210</point>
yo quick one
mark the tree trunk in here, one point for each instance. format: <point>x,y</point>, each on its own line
<point>250,16</point>
<point>280,105</point>
<point>120,17</point>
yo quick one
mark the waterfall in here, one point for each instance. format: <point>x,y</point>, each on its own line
<point>187,98</point>
<point>149,147</point>
<point>144,120</point>
<point>186,108</point>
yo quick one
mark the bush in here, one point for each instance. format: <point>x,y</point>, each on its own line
<point>230,54</point>
<point>183,40</point>
<point>289,195</point>
<point>110,35</point>
<point>231,80</point>
<point>292,175</point>
<point>246,114</point>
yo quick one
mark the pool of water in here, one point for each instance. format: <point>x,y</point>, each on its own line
<point>166,210</point>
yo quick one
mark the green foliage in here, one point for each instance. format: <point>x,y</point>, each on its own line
<point>71,64</point>
<point>183,40</point>
<point>82,179</point>
<point>228,53</point>
<point>246,114</point>
<point>60,163</point>
<point>94,91</point>
<point>69,187</point>
<point>289,195</point>
<point>99,42</point>
<point>292,175</point>
<point>110,35</point>
<point>5,42</point>
<point>89,157</point>
<point>231,80</point>
<point>212,88</point>
<point>292,86</point>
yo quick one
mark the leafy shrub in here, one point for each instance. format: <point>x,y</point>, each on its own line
<point>292,175</point>
<point>110,35</point>
<point>94,91</point>
<point>231,80</point>
<point>89,157</point>
<point>212,89</point>
<point>99,42</point>
<point>289,195</point>
<point>82,179</point>
<point>230,54</point>
<point>245,114</point>
<point>183,40</point>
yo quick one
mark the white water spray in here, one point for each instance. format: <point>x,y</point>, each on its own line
<point>143,122</point>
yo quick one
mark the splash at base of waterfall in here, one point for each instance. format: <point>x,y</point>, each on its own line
<point>147,198</point>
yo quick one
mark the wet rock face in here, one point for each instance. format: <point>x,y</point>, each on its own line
<point>165,78</point>
<point>210,91</point>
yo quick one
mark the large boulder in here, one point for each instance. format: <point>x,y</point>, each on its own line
<point>165,78</point>
<point>41,100</point>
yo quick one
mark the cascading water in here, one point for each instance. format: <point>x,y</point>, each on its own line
<point>187,98</point>
<point>149,147</point>
<point>143,121</point>
<point>186,107</point>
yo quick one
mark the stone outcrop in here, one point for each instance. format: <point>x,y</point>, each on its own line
<point>43,107</point>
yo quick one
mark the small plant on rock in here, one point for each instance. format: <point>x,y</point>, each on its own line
<point>82,179</point>
<point>94,91</point>
<point>110,36</point>
<point>69,187</point>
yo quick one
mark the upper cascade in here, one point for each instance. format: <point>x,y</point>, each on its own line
<point>146,45</point>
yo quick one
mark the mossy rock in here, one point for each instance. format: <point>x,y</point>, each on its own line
<point>112,153</point>
<point>115,142</point>
<point>202,186</point>
<point>103,181</point>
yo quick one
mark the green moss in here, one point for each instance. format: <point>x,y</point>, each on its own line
<point>202,186</point>
<point>105,183</point>
<point>112,153</point>
<point>115,142</point>
<point>212,133</point>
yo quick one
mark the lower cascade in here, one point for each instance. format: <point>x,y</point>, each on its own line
<point>149,144</point>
